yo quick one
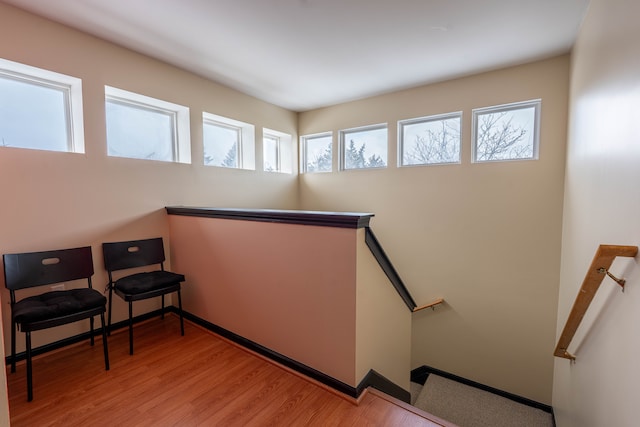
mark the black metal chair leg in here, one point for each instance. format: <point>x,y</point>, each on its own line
<point>91,327</point>
<point>162,311</point>
<point>104,343</point>
<point>110,300</point>
<point>29,368</point>
<point>130,327</point>
<point>180,308</point>
<point>13,346</point>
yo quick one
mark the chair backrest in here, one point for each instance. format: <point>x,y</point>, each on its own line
<point>133,253</point>
<point>32,269</point>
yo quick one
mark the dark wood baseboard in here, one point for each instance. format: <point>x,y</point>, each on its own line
<point>275,356</point>
<point>372,379</point>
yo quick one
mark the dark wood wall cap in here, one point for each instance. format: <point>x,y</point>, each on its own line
<point>318,218</point>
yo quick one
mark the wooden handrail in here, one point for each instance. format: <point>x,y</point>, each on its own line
<point>602,260</point>
<point>430,305</point>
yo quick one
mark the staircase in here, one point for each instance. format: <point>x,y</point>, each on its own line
<point>466,405</point>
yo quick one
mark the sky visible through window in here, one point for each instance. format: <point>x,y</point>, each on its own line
<point>318,153</point>
<point>36,110</point>
<point>33,116</point>
<point>365,148</point>
<point>431,141</point>
<point>221,145</point>
<point>140,133</point>
<point>506,134</point>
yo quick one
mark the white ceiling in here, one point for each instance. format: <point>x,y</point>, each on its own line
<point>304,54</point>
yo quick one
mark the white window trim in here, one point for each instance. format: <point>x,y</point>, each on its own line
<point>182,126</point>
<point>536,103</point>
<point>72,86</point>
<point>246,144</point>
<point>426,119</point>
<point>303,150</point>
<point>342,145</point>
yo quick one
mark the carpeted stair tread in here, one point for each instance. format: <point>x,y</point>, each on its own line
<point>471,407</point>
<point>415,392</point>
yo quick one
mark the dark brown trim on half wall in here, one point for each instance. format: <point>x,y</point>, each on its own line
<point>323,219</point>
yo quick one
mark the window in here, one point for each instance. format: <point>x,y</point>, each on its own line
<point>430,140</point>
<point>317,152</point>
<point>141,127</point>
<point>40,109</point>
<point>506,132</point>
<point>276,149</point>
<point>271,147</point>
<point>228,143</point>
<point>364,147</point>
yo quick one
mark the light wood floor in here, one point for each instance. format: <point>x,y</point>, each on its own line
<point>196,380</point>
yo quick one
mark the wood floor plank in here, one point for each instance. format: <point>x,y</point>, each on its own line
<point>198,379</point>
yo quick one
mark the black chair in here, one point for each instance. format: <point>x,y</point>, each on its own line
<point>139,286</point>
<point>56,307</point>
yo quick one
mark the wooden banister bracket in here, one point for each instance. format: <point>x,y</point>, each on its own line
<point>431,305</point>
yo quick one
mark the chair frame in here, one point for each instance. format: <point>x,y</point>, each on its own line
<point>34,269</point>
<point>131,254</point>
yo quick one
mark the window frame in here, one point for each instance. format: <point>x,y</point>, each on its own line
<point>270,136</point>
<point>304,151</point>
<point>344,132</point>
<point>476,112</point>
<point>428,119</point>
<point>181,138</point>
<point>71,88</point>
<point>284,150</point>
<point>246,139</point>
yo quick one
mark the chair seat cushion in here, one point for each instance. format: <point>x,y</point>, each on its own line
<point>51,305</point>
<point>145,282</point>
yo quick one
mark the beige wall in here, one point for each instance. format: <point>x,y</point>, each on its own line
<point>486,237</point>
<point>602,205</point>
<point>313,294</point>
<point>267,283</point>
<point>383,322</point>
<point>52,200</point>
